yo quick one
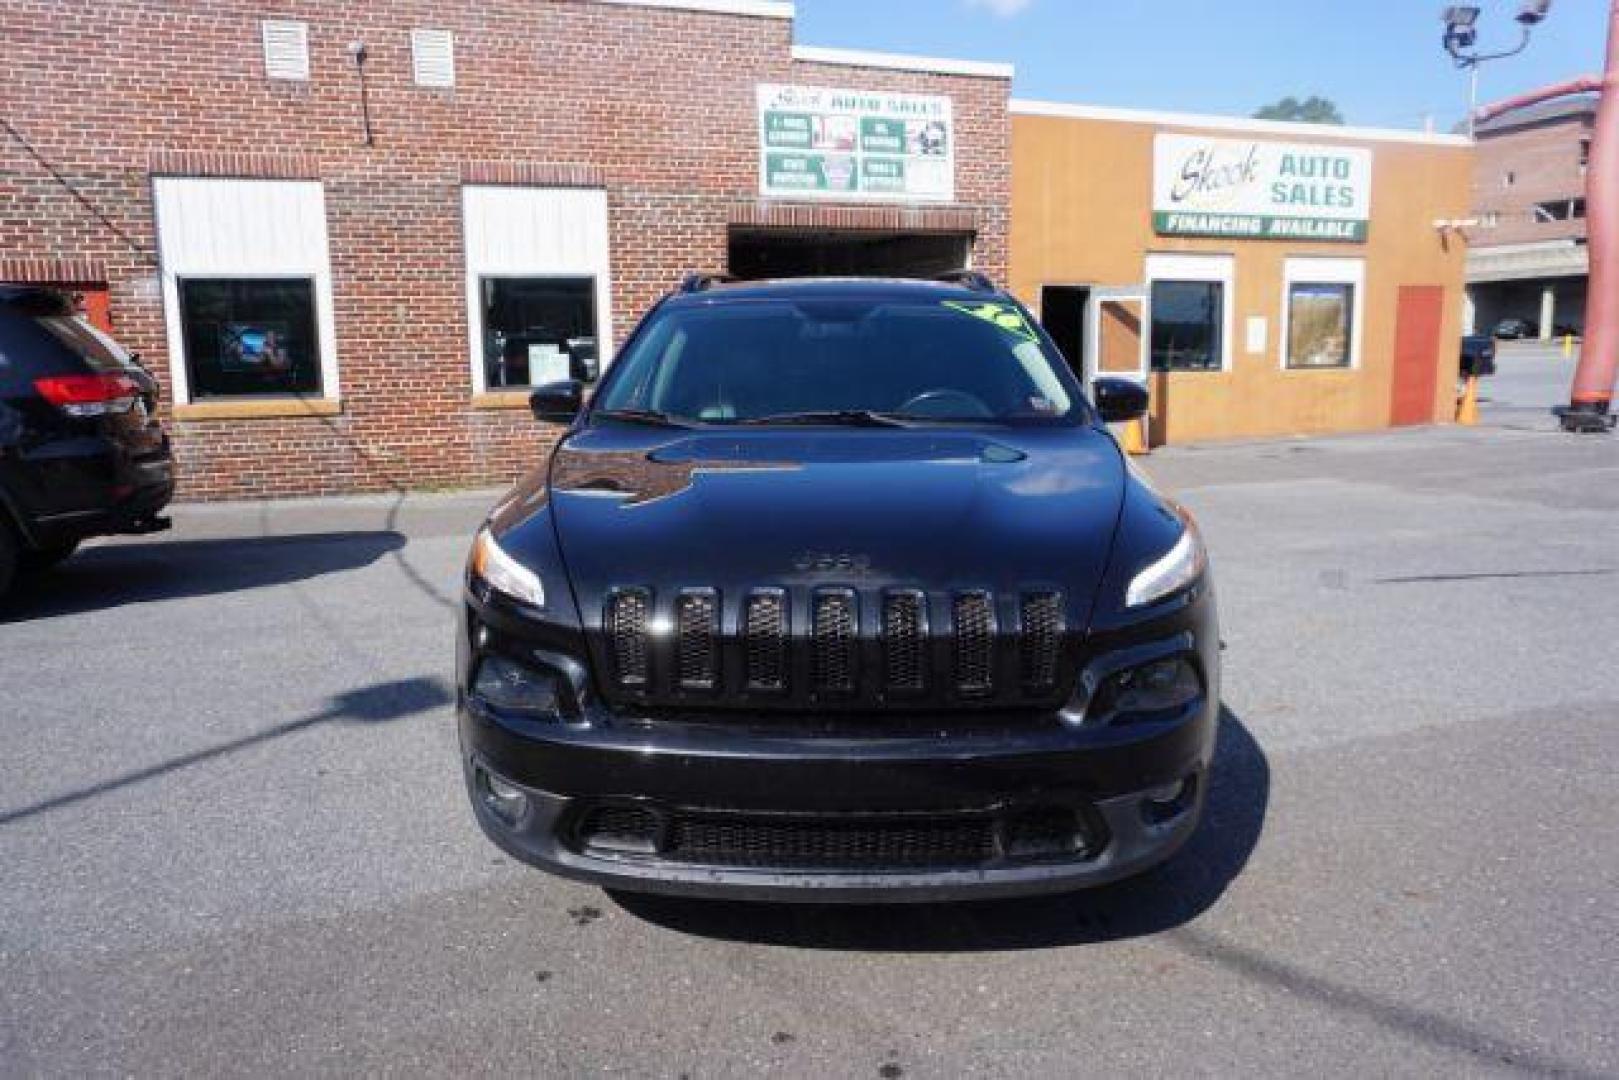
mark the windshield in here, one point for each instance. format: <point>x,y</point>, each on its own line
<point>764,360</point>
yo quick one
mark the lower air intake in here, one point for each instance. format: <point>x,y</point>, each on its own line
<point>831,844</point>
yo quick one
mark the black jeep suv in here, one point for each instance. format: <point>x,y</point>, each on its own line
<point>838,590</point>
<point>81,451</point>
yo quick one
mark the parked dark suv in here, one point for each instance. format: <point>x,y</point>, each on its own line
<point>839,590</point>
<point>81,451</point>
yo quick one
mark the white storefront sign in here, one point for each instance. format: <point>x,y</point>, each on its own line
<point>1261,190</point>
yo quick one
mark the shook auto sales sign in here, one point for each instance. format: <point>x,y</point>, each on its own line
<point>816,143</point>
<point>1260,190</point>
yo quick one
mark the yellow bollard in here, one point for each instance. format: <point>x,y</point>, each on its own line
<point>1135,437</point>
<point>1568,346</point>
<point>1467,408</point>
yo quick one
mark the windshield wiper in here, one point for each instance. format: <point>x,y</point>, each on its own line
<point>648,417</point>
<point>842,417</point>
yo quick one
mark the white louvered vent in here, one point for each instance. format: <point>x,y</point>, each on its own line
<point>286,49</point>
<point>433,57</point>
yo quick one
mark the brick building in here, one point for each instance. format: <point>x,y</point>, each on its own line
<point>346,236</point>
<point>1528,257</point>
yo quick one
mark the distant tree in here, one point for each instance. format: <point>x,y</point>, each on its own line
<point>1312,110</point>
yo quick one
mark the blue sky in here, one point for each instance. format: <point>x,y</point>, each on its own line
<point>1380,60</point>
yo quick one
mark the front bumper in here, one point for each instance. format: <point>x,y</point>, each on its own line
<point>541,837</point>
<point>1135,790</point>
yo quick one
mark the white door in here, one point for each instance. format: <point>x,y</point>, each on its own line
<point>1117,332</point>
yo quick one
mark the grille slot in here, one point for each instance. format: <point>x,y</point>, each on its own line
<point>905,639</point>
<point>830,843</point>
<point>697,621</point>
<point>1042,624</point>
<point>974,616</point>
<point>833,641</point>
<point>627,612</point>
<point>764,640</point>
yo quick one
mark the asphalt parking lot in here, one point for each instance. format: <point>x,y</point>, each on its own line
<point>234,840</point>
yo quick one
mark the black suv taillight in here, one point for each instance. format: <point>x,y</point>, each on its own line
<point>89,395</point>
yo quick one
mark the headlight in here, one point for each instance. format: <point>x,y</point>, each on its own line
<point>503,573</point>
<point>1179,568</point>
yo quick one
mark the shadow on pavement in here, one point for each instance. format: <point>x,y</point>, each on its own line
<point>1166,897</point>
<point>376,704</point>
<point>124,573</point>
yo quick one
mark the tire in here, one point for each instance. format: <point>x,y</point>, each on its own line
<point>8,558</point>
<point>37,560</point>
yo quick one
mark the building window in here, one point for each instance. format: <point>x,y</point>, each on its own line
<point>1188,325</point>
<point>247,337</point>
<point>1320,319</point>
<point>432,56</point>
<point>247,288</point>
<point>539,296</point>
<point>538,330</point>
<point>1560,210</point>
<point>286,49</point>
<point>1323,309</point>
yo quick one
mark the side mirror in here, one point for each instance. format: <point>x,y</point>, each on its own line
<point>1119,400</point>
<point>558,402</point>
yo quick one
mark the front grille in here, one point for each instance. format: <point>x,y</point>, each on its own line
<point>832,647</point>
<point>627,612</point>
<point>697,621</point>
<point>975,642</point>
<point>817,647</point>
<point>830,843</point>
<point>905,640</point>
<point>1042,625</point>
<point>764,640</point>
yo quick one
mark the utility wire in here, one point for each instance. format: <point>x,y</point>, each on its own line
<point>79,196</point>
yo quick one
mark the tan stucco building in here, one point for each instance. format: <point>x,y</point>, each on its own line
<point>1265,278</point>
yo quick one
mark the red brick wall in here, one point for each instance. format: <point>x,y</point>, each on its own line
<point>1544,162</point>
<point>657,105</point>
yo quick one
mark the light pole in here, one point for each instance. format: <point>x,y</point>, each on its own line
<point>1461,35</point>
<point>1591,397</point>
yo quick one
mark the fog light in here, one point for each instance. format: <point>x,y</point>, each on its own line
<point>1168,802</point>
<point>505,684</point>
<point>1159,687</point>
<point>506,801</point>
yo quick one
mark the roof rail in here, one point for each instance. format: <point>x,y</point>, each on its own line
<point>971,279</point>
<point>699,282</point>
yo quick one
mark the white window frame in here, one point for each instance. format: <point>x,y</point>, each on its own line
<point>195,250</point>
<point>565,261</point>
<point>1179,266</point>
<point>1321,270</point>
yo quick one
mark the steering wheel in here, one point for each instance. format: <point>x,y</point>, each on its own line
<point>945,403</point>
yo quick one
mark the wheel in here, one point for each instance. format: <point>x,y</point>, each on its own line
<point>8,558</point>
<point>36,560</point>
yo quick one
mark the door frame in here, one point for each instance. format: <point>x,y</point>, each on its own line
<point>1101,294</point>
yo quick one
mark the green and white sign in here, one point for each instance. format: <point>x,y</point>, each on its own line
<point>1260,190</point>
<point>855,144</point>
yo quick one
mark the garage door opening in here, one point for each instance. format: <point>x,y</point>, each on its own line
<point>783,253</point>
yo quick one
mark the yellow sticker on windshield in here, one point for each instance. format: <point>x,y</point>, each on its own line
<point>1004,316</point>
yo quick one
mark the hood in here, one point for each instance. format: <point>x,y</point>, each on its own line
<point>864,508</point>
